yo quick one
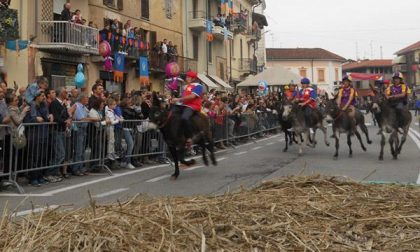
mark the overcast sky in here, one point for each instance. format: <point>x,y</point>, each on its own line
<point>342,26</point>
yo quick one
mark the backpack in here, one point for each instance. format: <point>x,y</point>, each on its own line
<point>18,137</point>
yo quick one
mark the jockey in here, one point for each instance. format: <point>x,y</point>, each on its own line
<point>346,98</point>
<point>291,92</point>
<point>397,92</point>
<point>191,102</point>
<point>307,98</point>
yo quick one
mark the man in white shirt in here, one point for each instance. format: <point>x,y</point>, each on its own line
<point>164,46</point>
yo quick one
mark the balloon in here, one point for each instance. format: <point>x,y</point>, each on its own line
<point>262,88</point>
<point>172,70</point>
<point>79,79</point>
<point>104,49</point>
<point>108,64</point>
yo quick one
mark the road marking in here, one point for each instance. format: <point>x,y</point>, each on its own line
<point>257,148</point>
<point>221,159</point>
<point>158,178</point>
<point>36,210</point>
<point>240,153</point>
<point>25,195</point>
<point>416,138</point>
<point>195,168</point>
<point>268,138</point>
<point>65,189</point>
<point>106,194</point>
<point>268,144</point>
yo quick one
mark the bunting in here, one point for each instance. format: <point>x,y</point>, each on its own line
<point>119,67</point>
<point>223,6</point>
<point>144,71</point>
<point>230,4</point>
<point>210,30</point>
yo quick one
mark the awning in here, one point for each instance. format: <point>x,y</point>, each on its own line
<point>220,82</point>
<point>275,76</point>
<point>207,81</point>
<point>363,76</point>
<point>260,18</point>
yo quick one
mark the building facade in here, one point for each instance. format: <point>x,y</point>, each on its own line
<point>322,67</point>
<point>408,62</point>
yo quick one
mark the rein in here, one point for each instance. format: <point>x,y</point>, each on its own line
<point>167,120</point>
<point>340,114</point>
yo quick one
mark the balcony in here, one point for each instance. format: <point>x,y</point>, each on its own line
<point>197,21</point>
<point>254,35</point>
<point>158,62</point>
<point>219,33</point>
<point>239,22</point>
<point>66,37</point>
<point>247,66</point>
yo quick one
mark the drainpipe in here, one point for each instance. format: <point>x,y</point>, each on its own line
<point>207,42</point>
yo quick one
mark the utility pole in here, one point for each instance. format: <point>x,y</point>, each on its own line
<point>357,50</point>
<point>382,53</point>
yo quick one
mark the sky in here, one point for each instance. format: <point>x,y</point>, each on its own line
<point>354,29</point>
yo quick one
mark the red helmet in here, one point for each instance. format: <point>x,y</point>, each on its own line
<point>192,74</point>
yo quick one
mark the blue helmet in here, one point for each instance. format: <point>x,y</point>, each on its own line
<point>305,81</point>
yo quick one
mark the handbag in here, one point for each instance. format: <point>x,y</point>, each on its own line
<point>18,137</point>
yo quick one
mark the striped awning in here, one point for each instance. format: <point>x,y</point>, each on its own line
<point>207,81</point>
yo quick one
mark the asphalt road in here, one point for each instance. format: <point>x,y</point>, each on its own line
<point>246,165</point>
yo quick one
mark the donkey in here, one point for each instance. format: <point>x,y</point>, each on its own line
<point>286,126</point>
<point>296,115</point>
<point>343,123</point>
<point>390,121</point>
<point>170,125</point>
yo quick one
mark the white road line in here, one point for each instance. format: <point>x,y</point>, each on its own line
<point>36,210</point>
<point>268,144</point>
<point>25,195</point>
<point>221,159</point>
<point>268,138</point>
<point>240,153</point>
<point>257,148</point>
<point>413,134</point>
<point>65,189</point>
<point>195,168</point>
<point>368,124</point>
<point>106,194</point>
<point>158,178</point>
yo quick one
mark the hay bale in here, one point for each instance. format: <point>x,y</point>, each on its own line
<point>295,213</point>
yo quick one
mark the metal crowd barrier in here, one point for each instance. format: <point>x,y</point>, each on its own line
<point>84,146</point>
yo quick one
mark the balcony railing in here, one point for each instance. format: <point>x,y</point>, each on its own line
<point>63,36</point>
<point>158,62</point>
<point>197,20</point>
<point>247,65</point>
<point>239,22</point>
<point>134,47</point>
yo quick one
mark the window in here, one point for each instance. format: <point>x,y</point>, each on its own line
<point>321,75</point>
<point>195,47</point>
<point>336,74</point>
<point>221,70</point>
<point>145,9</point>
<point>302,72</point>
<point>210,54</point>
<point>116,4</point>
<point>168,8</point>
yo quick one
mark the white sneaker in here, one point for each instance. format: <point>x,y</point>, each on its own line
<point>130,166</point>
<point>110,157</point>
<point>115,156</point>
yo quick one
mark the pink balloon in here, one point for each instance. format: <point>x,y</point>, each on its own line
<point>104,49</point>
<point>172,69</point>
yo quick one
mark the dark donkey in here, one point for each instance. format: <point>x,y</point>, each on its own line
<point>343,123</point>
<point>286,125</point>
<point>170,125</point>
<point>390,121</point>
<point>296,115</point>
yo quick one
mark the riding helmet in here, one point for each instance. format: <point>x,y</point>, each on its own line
<point>191,74</point>
<point>347,77</point>
<point>398,75</point>
<point>305,81</point>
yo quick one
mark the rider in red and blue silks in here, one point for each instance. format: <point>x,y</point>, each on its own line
<point>191,101</point>
<point>307,98</point>
<point>346,98</point>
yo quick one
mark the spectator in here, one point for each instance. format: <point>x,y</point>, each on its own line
<point>40,85</point>
<point>77,17</point>
<point>3,80</point>
<point>21,96</point>
<point>129,113</point>
<point>217,20</point>
<point>65,13</point>
<point>74,96</point>
<point>50,97</point>
<point>97,93</point>
<point>115,26</point>
<point>164,47</point>
<point>63,122</point>
<point>81,115</point>
<point>113,119</point>
<point>37,137</point>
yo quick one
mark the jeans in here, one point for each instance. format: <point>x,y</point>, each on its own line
<point>110,140</point>
<point>59,152</point>
<point>130,145</point>
<point>79,148</point>
<point>187,113</point>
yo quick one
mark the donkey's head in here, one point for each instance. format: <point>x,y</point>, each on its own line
<point>158,112</point>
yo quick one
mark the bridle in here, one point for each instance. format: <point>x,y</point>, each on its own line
<point>166,121</point>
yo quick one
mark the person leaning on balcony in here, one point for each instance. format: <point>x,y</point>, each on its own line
<point>65,13</point>
<point>77,17</point>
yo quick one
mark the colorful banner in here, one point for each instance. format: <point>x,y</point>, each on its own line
<point>209,30</point>
<point>230,4</point>
<point>144,71</point>
<point>119,67</point>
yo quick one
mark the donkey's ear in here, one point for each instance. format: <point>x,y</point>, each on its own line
<point>156,101</point>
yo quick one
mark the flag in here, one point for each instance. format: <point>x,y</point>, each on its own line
<point>209,30</point>
<point>119,67</point>
<point>144,71</point>
<point>230,4</point>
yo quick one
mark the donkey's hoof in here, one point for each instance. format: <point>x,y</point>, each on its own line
<point>206,162</point>
<point>369,142</point>
<point>335,157</point>
<point>381,158</point>
<point>285,150</point>
<point>327,143</point>
<point>364,149</point>
<point>395,157</point>
<point>350,155</point>
<point>174,176</point>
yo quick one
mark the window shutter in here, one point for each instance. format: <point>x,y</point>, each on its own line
<point>168,8</point>
<point>145,9</point>
<point>120,5</point>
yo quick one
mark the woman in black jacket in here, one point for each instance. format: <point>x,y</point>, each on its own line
<point>131,118</point>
